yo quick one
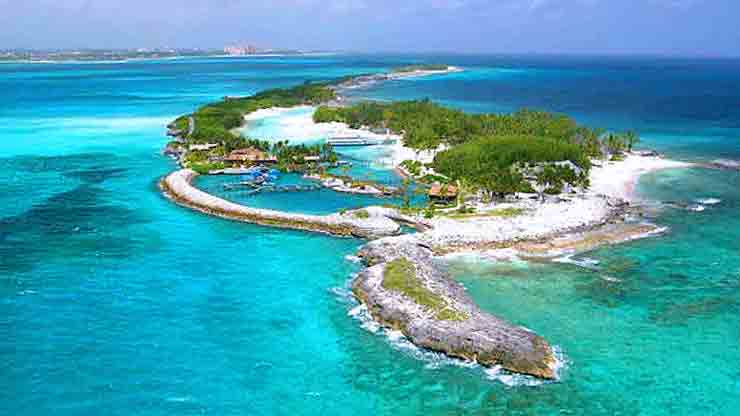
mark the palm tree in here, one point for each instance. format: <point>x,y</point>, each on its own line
<point>632,138</point>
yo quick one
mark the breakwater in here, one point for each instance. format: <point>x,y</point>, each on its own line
<point>371,224</point>
<point>451,323</point>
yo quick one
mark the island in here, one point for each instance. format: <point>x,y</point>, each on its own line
<point>533,183</point>
<point>122,55</point>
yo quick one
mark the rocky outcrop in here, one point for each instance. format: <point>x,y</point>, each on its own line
<point>175,150</point>
<point>435,312</point>
<point>371,224</point>
<point>725,164</point>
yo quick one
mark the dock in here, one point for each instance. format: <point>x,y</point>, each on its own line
<point>357,141</point>
<point>250,188</point>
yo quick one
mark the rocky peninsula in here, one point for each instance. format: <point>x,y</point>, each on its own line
<point>405,291</point>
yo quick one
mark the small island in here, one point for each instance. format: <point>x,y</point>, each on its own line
<point>532,182</point>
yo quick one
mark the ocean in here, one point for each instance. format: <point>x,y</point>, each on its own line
<point>115,301</point>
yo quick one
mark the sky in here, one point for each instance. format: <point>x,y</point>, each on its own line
<point>663,27</point>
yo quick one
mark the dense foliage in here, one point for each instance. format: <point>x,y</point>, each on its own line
<point>499,164</point>
<point>291,157</point>
<point>427,125</point>
<point>422,67</point>
<point>499,153</point>
<point>214,122</point>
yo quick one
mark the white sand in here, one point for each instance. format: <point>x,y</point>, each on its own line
<point>297,125</point>
<point>619,179</point>
<point>615,180</point>
<point>424,72</point>
<point>611,181</point>
<point>401,153</point>
<point>540,220</point>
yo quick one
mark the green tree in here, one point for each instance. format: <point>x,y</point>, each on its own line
<point>406,193</point>
<point>548,179</point>
<point>632,139</point>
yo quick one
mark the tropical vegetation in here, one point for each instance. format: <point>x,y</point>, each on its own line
<point>497,153</point>
<point>421,67</point>
<point>215,123</point>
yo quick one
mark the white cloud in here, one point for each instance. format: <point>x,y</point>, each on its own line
<point>677,4</point>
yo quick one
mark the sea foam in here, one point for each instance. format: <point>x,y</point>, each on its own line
<point>583,262</point>
<point>508,378</point>
<point>434,360</point>
<point>709,201</point>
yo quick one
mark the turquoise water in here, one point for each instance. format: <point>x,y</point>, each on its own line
<point>115,301</point>
<point>321,201</point>
<point>296,125</point>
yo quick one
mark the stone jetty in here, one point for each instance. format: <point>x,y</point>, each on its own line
<point>366,223</point>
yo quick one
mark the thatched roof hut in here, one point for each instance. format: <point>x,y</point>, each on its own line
<point>441,192</point>
<point>250,154</point>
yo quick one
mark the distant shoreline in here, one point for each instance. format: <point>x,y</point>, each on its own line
<point>160,58</point>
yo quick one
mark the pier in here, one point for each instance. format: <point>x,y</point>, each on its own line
<point>358,141</point>
<point>250,188</point>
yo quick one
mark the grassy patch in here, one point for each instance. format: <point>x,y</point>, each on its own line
<point>182,123</point>
<point>496,213</point>
<point>451,315</point>
<point>400,276</point>
<point>361,214</point>
<point>203,168</point>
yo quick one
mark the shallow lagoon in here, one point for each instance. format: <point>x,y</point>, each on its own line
<point>320,201</point>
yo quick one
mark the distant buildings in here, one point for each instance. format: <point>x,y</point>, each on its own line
<point>101,54</point>
<point>241,50</point>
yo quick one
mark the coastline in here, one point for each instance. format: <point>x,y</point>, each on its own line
<point>582,224</point>
<point>302,129</point>
<point>619,179</point>
<point>364,81</point>
<point>431,309</point>
<point>308,130</point>
<point>585,223</point>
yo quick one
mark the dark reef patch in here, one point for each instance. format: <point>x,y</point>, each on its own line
<point>83,221</point>
<point>61,164</point>
<point>96,175</point>
<point>679,313</point>
<point>70,224</point>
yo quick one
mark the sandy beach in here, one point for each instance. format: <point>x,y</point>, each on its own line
<point>612,183</point>
<point>619,179</point>
<point>575,215</point>
<point>297,124</point>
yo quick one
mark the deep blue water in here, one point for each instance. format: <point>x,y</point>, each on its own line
<point>115,301</point>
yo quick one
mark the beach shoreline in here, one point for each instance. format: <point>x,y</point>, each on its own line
<point>435,313</point>
<point>364,81</point>
<point>544,231</point>
<point>619,179</point>
<point>582,224</point>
